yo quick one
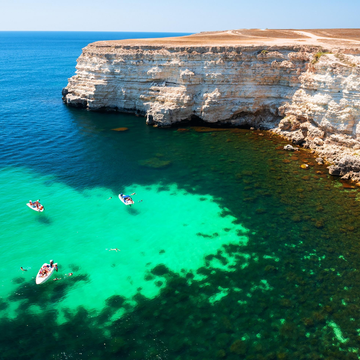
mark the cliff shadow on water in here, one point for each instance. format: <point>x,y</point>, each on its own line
<point>290,292</point>
<point>259,120</point>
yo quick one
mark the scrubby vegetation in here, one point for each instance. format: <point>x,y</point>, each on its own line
<point>318,55</point>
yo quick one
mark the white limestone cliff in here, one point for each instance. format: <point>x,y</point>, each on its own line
<point>235,85</point>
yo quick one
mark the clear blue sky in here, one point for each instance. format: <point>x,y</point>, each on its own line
<point>176,16</point>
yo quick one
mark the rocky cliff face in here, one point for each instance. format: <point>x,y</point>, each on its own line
<point>324,112</point>
<point>235,85</point>
<point>306,93</point>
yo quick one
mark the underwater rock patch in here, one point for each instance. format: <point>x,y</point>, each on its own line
<point>155,163</point>
<point>203,129</point>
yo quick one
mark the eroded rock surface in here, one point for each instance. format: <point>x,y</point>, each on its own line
<point>235,85</point>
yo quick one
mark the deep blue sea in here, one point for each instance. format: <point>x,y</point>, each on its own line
<point>231,250</point>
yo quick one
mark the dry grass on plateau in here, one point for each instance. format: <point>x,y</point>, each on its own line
<point>248,37</point>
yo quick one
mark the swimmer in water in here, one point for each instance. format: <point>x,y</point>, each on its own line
<point>109,198</point>
<point>115,250</point>
<point>56,279</point>
<point>22,269</point>
<point>140,200</point>
<point>70,274</point>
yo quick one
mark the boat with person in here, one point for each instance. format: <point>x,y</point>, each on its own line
<point>126,199</point>
<point>46,272</point>
<point>35,205</point>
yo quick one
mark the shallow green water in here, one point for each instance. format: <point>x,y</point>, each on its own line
<point>81,228</point>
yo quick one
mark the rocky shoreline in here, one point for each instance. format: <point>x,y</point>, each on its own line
<point>339,151</point>
<point>302,85</point>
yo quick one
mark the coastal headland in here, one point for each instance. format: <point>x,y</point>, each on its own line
<point>301,84</point>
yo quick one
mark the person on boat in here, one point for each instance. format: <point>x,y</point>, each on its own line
<point>126,198</point>
<point>51,263</point>
<point>41,207</point>
<point>31,203</point>
<point>45,269</point>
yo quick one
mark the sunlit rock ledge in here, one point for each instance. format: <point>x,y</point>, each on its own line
<point>302,84</point>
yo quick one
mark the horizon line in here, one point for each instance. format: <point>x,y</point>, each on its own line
<point>172,32</point>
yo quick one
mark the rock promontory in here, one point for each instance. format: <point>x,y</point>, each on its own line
<point>302,84</point>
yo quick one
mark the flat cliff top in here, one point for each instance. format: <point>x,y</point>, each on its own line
<point>248,37</point>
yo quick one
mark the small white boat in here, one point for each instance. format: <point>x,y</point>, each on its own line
<point>33,206</point>
<point>126,199</point>
<point>44,273</point>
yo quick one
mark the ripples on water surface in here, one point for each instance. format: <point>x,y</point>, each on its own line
<point>235,251</point>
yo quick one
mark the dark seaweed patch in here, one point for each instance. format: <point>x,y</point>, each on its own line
<point>160,270</point>
<point>207,236</point>
<point>115,301</point>
<point>18,280</point>
<point>44,220</point>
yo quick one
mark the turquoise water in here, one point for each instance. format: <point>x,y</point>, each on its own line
<point>231,249</point>
<point>81,228</point>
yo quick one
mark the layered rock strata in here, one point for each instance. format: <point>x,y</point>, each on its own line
<point>233,85</point>
<point>305,88</point>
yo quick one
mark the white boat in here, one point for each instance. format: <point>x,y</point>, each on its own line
<point>126,199</point>
<point>41,277</point>
<point>32,206</point>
